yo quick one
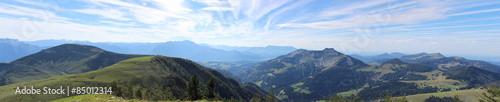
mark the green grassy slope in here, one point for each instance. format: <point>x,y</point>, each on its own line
<point>59,60</point>
<point>151,71</point>
<point>469,95</point>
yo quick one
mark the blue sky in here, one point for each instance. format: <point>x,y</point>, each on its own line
<point>452,27</point>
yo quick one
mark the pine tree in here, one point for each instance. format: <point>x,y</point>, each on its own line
<point>257,98</point>
<point>387,97</point>
<point>209,89</point>
<point>147,95</point>
<point>270,97</point>
<point>456,98</point>
<point>127,91</point>
<point>158,93</point>
<point>217,97</point>
<point>193,91</point>
<point>355,98</point>
<point>138,94</point>
<point>168,94</point>
<point>115,89</point>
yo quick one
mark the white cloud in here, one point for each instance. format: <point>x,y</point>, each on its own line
<point>42,5</point>
<point>299,23</point>
<point>423,12</point>
<point>175,6</point>
<point>146,14</point>
<point>119,24</point>
<point>27,12</point>
<point>285,9</point>
<point>107,13</point>
<point>475,12</point>
<point>351,8</point>
<point>255,9</point>
<point>217,8</point>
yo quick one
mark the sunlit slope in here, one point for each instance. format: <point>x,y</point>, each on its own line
<point>150,71</point>
<point>59,60</point>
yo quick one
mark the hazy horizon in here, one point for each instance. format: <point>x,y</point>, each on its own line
<point>364,53</point>
<point>366,27</point>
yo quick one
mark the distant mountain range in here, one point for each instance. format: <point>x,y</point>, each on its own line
<point>472,75</point>
<point>232,66</point>
<point>496,63</point>
<point>190,50</point>
<point>456,62</point>
<point>12,49</point>
<point>369,59</point>
<point>15,49</point>
<point>308,75</point>
<point>304,75</point>
<point>267,52</point>
<point>240,73</point>
<point>416,58</point>
<point>439,61</point>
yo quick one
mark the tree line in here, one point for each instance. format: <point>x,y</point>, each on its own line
<point>134,90</point>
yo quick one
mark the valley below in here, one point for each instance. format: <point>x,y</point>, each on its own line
<point>300,75</point>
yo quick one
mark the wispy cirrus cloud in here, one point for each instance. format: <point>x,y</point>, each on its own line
<point>336,11</point>
<point>107,13</point>
<point>475,12</point>
<point>355,25</point>
<point>218,8</point>
<point>423,11</point>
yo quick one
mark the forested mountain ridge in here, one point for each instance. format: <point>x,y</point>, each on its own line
<point>457,62</point>
<point>415,58</point>
<point>369,59</point>
<point>147,73</point>
<point>309,75</point>
<point>304,75</point>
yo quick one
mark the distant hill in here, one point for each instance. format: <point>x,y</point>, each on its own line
<point>228,74</point>
<point>227,48</point>
<point>416,58</point>
<point>190,50</point>
<point>457,62</point>
<point>227,53</point>
<point>474,76</point>
<point>255,88</point>
<point>308,75</point>
<point>12,49</point>
<point>59,60</point>
<point>403,71</point>
<point>368,59</point>
<point>397,77</point>
<point>232,66</point>
<point>268,52</point>
<point>496,63</point>
<point>146,72</point>
<point>118,47</point>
